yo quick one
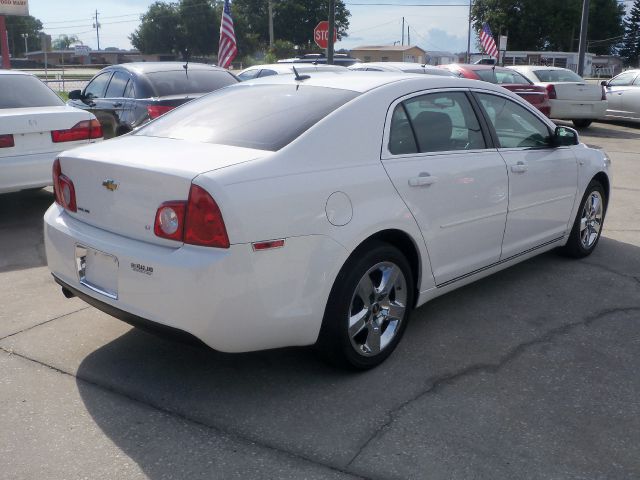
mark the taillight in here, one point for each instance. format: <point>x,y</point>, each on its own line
<point>85,130</point>
<point>197,221</point>
<point>156,110</point>
<point>6,141</point>
<point>551,91</point>
<point>63,189</point>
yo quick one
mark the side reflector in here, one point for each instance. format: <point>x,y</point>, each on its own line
<point>268,245</point>
<point>6,141</point>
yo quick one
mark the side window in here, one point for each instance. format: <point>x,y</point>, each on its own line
<point>401,139</point>
<point>267,73</point>
<point>623,79</point>
<point>130,91</point>
<point>249,74</point>
<point>515,126</point>
<point>444,121</point>
<point>117,85</point>
<point>97,86</point>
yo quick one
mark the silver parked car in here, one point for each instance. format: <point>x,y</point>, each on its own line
<point>623,95</point>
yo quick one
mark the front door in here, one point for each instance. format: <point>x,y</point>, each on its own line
<point>454,185</point>
<point>542,179</point>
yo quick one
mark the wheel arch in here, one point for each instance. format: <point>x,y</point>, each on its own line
<point>603,179</point>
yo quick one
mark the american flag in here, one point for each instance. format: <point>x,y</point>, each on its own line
<point>227,49</point>
<point>487,41</point>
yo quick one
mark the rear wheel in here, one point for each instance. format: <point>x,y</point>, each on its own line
<point>368,308</point>
<point>582,123</point>
<point>587,226</point>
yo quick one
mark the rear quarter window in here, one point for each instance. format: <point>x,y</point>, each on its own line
<point>23,91</point>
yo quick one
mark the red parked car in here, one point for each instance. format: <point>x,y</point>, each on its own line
<point>518,84</point>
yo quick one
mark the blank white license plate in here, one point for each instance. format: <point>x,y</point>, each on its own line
<point>582,109</point>
<point>97,271</point>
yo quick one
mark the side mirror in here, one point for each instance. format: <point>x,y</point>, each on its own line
<point>565,137</point>
<point>604,83</point>
<point>75,95</point>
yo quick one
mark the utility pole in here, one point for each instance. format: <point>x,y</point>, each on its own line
<point>26,47</point>
<point>468,60</point>
<point>332,29</point>
<point>271,23</point>
<point>408,36</point>
<point>96,25</point>
<point>402,31</point>
<point>583,36</point>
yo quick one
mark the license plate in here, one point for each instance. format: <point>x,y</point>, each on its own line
<point>98,271</point>
<point>582,109</point>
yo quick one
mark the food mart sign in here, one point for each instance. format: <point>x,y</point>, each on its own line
<point>14,7</point>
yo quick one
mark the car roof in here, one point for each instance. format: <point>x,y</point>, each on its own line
<point>288,67</point>
<point>477,66</point>
<point>357,82</point>
<point>537,67</point>
<point>15,72</point>
<point>152,67</point>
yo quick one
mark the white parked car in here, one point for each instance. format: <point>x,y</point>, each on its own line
<point>406,67</point>
<point>259,71</point>
<point>571,98</point>
<point>35,126</point>
<point>239,218</point>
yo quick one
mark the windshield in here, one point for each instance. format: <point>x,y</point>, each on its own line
<point>177,82</point>
<point>265,117</point>
<point>557,76</point>
<point>23,91</point>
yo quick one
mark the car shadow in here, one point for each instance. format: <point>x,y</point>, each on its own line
<point>288,400</point>
<point>21,229</point>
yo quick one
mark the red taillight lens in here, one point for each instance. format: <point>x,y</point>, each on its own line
<point>197,221</point>
<point>6,141</point>
<point>156,110</point>
<point>204,224</point>
<point>551,91</point>
<point>170,220</point>
<point>85,130</point>
<point>63,189</point>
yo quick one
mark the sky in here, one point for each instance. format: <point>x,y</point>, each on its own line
<point>432,25</point>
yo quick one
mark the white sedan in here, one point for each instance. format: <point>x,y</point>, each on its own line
<point>570,97</point>
<point>282,212</point>
<point>35,126</point>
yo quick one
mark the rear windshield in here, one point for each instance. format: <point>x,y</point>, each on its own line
<point>265,117</point>
<point>500,77</point>
<point>176,82</point>
<point>22,91</point>
<point>557,76</point>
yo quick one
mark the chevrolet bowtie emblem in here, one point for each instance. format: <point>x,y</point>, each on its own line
<point>110,185</point>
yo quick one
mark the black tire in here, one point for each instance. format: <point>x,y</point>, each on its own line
<point>376,260</point>
<point>576,246</point>
<point>582,123</point>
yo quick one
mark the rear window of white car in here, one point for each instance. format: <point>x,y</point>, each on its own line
<point>264,117</point>
<point>557,76</point>
<point>23,91</point>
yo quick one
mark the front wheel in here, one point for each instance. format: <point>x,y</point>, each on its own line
<point>368,308</point>
<point>582,123</point>
<point>587,226</point>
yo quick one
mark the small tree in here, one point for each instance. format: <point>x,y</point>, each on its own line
<point>63,42</point>
<point>630,49</point>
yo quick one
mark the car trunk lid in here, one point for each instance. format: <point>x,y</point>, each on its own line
<point>577,91</point>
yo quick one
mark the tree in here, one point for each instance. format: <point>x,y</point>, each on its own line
<point>630,48</point>
<point>159,30</point>
<point>64,41</point>
<point>16,27</point>
<point>550,24</point>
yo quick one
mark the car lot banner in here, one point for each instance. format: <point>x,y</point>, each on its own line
<point>14,7</point>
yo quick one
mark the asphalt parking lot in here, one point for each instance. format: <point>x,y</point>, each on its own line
<point>530,373</point>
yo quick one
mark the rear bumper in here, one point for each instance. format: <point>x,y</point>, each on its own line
<point>232,299</point>
<point>26,171</point>
<point>576,109</point>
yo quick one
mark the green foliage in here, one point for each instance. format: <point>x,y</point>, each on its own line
<point>64,41</point>
<point>159,30</point>
<point>282,49</point>
<point>630,48</point>
<point>16,26</point>
<point>550,24</point>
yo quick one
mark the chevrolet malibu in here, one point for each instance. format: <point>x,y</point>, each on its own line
<point>240,220</point>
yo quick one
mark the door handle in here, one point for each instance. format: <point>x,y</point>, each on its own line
<point>117,104</point>
<point>519,167</point>
<point>422,180</point>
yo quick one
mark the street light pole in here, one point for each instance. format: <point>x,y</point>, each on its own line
<point>583,37</point>
<point>26,47</point>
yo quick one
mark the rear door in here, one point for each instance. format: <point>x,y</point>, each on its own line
<point>451,179</point>
<point>542,178</point>
<point>94,101</point>
<point>115,101</point>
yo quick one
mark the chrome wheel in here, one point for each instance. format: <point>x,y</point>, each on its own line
<point>591,219</point>
<point>377,308</point>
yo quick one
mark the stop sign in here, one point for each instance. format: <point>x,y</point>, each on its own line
<point>321,34</point>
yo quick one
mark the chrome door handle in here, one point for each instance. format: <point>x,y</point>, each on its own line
<point>519,167</point>
<point>421,180</point>
<point>117,104</point>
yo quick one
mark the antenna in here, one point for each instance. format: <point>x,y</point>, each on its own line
<point>185,55</point>
<point>298,76</point>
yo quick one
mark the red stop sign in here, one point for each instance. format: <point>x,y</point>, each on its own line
<point>321,34</point>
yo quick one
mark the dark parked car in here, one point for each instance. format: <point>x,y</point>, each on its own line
<point>125,96</point>
<point>518,84</point>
